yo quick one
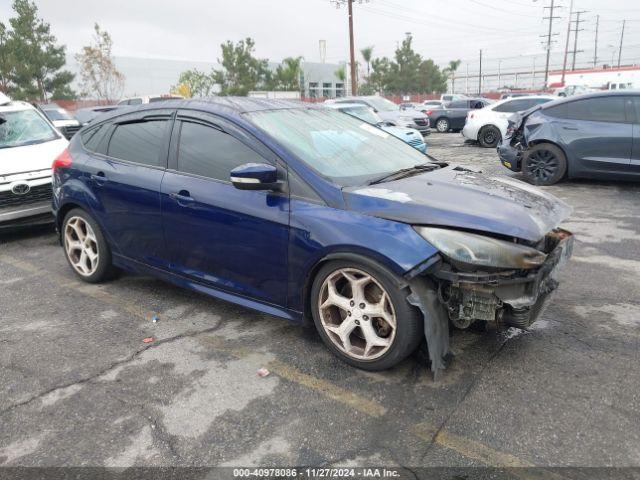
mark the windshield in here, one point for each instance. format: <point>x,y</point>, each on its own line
<point>57,114</point>
<point>382,104</point>
<point>24,127</point>
<point>363,113</point>
<point>339,147</point>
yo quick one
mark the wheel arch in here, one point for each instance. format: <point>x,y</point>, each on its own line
<point>488,125</point>
<point>371,259</point>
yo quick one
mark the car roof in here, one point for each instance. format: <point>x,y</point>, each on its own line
<point>338,106</point>
<point>232,106</point>
<point>605,93</point>
<point>15,106</point>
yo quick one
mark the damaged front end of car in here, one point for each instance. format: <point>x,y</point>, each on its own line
<point>481,278</point>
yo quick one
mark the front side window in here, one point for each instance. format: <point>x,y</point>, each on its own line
<point>339,147</point>
<point>209,152</point>
<point>25,127</point>
<point>139,142</point>
<point>601,109</point>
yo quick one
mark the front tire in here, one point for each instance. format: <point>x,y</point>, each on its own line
<point>362,316</point>
<point>489,136</point>
<point>85,247</point>
<point>544,164</point>
<point>443,125</point>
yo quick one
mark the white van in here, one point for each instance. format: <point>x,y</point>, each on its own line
<point>29,143</point>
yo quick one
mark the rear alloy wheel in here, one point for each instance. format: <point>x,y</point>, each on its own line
<point>442,125</point>
<point>85,247</point>
<point>544,164</point>
<point>363,317</point>
<point>489,137</point>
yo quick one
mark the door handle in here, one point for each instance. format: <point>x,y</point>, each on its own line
<point>569,128</point>
<point>183,197</point>
<point>99,178</point>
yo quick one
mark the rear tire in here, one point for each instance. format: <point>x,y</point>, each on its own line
<point>489,136</point>
<point>85,247</point>
<point>443,125</point>
<point>362,316</point>
<point>544,164</point>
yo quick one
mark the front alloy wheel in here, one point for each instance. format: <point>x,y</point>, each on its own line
<point>544,164</point>
<point>442,125</point>
<point>362,314</point>
<point>357,314</point>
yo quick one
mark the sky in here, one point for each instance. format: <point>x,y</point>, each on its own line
<point>507,30</point>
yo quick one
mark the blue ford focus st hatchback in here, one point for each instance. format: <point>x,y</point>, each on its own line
<point>306,213</point>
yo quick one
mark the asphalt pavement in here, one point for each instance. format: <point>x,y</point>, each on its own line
<point>81,388</point>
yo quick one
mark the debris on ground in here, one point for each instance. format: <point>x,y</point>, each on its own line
<point>148,340</point>
<point>155,319</point>
<point>263,372</point>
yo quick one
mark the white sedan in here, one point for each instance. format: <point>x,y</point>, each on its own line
<point>488,125</point>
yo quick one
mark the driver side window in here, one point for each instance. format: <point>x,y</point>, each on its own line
<point>209,152</point>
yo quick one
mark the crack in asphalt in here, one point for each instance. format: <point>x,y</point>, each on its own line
<point>112,366</point>
<point>474,382</point>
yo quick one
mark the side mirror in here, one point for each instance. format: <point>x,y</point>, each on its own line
<point>255,176</point>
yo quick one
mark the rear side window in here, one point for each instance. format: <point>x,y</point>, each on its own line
<point>139,142</point>
<point>513,106</point>
<point>209,152</point>
<point>91,138</point>
<point>602,109</point>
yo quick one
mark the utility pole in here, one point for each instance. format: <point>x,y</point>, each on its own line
<point>480,74</point>
<point>499,73</point>
<point>352,49</point>
<point>354,85</point>
<point>551,17</point>
<point>595,43</point>
<point>621,38</point>
<point>466,80</point>
<point>575,38</point>
<point>566,43</point>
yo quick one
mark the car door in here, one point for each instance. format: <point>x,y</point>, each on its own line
<point>124,178</point>
<point>235,240</point>
<point>597,134</point>
<point>634,115</point>
<point>457,113</point>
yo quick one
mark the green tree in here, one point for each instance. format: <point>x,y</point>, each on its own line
<point>99,77</point>
<point>432,79</point>
<point>367,54</point>
<point>380,75</point>
<point>406,68</point>
<point>241,71</point>
<point>287,76</point>
<point>6,67</point>
<point>194,83</point>
<point>38,62</point>
<point>450,71</point>
<point>341,73</point>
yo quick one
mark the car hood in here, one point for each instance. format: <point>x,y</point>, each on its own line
<point>28,158</point>
<point>456,197</point>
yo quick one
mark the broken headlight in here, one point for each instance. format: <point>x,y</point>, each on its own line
<point>481,250</point>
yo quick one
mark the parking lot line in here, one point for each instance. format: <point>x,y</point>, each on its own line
<point>330,390</point>
<point>462,445</point>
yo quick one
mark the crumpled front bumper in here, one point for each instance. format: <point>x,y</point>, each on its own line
<point>510,156</point>
<point>507,298</point>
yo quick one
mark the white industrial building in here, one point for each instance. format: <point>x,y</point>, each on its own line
<point>599,78</point>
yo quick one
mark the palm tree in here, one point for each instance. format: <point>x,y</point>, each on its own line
<point>341,73</point>
<point>367,53</point>
<point>451,71</point>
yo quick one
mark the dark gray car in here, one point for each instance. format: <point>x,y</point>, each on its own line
<point>590,136</point>
<point>451,116</point>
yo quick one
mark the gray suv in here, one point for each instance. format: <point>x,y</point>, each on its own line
<point>390,112</point>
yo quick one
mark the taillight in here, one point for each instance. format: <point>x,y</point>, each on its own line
<point>429,112</point>
<point>62,161</point>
